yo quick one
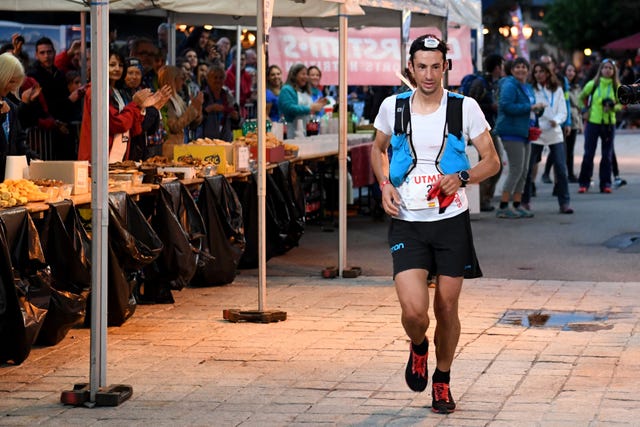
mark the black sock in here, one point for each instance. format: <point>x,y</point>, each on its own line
<point>441,377</point>
<point>516,205</point>
<point>503,205</point>
<point>421,348</point>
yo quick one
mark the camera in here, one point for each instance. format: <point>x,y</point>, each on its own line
<point>629,94</point>
<point>608,104</point>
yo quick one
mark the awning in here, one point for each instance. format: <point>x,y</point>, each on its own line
<point>626,43</point>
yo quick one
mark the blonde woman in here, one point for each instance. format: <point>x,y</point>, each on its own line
<point>601,104</point>
<point>178,115</point>
<point>12,138</point>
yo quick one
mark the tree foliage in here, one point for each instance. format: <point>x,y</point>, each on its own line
<point>577,24</point>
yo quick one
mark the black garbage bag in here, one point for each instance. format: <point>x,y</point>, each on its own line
<point>121,303</point>
<point>181,229</point>
<point>285,178</point>
<point>133,245</point>
<point>26,285</point>
<point>248,194</point>
<point>67,250</point>
<point>130,234</point>
<point>280,216</point>
<point>66,246</point>
<point>222,214</point>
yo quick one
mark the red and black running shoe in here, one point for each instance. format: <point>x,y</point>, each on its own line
<point>442,400</point>
<point>416,372</point>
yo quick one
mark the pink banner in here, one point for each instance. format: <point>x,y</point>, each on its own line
<point>374,53</point>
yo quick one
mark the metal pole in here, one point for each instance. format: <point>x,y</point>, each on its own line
<point>99,193</point>
<point>171,41</point>
<point>83,47</point>
<point>262,161</point>
<point>237,60</point>
<point>342,147</point>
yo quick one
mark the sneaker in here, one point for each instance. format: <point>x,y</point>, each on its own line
<point>523,212</point>
<point>619,182</point>
<point>566,209</point>
<point>442,401</point>
<point>606,190</point>
<point>507,213</point>
<point>582,190</point>
<point>416,372</point>
<point>546,179</point>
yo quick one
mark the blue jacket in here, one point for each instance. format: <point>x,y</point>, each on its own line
<point>288,104</point>
<point>514,109</point>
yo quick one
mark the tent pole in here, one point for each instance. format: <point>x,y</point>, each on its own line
<point>262,163</point>
<point>237,61</point>
<point>171,41</point>
<point>261,315</point>
<point>99,193</point>
<point>83,47</point>
<point>342,147</point>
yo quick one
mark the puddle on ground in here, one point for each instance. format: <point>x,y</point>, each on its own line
<point>577,321</point>
<point>626,243</point>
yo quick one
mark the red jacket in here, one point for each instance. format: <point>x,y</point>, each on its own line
<point>129,119</point>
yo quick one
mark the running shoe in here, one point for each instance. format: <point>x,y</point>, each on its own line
<point>619,182</point>
<point>507,213</point>
<point>606,190</point>
<point>416,372</point>
<point>582,190</point>
<point>546,179</point>
<point>524,213</point>
<point>442,401</point>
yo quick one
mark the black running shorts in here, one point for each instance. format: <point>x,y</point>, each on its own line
<point>440,247</point>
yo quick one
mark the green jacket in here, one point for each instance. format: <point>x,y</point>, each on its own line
<point>605,90</point>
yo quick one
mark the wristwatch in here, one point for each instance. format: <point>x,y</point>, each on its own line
<point>463,176</point>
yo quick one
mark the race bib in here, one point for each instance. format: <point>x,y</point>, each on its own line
<point>416,187</point>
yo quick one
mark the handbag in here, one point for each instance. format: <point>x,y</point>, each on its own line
<point>534,133</point>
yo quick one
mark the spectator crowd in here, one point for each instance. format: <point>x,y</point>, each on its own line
<point>533,108</point>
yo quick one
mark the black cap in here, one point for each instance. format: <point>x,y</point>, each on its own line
<point>428,42</point>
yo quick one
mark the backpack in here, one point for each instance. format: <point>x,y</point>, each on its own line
<point>467,81</point>
<point>452,157</point>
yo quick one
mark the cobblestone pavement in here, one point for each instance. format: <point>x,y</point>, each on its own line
<point>339,359</point>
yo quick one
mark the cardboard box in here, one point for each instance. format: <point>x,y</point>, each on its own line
<point>219,155</point>
<point>74,172</point>
<point>182,172</point>
<point>274,155</point>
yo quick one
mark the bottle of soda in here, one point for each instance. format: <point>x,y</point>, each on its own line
<point>284,126</point>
